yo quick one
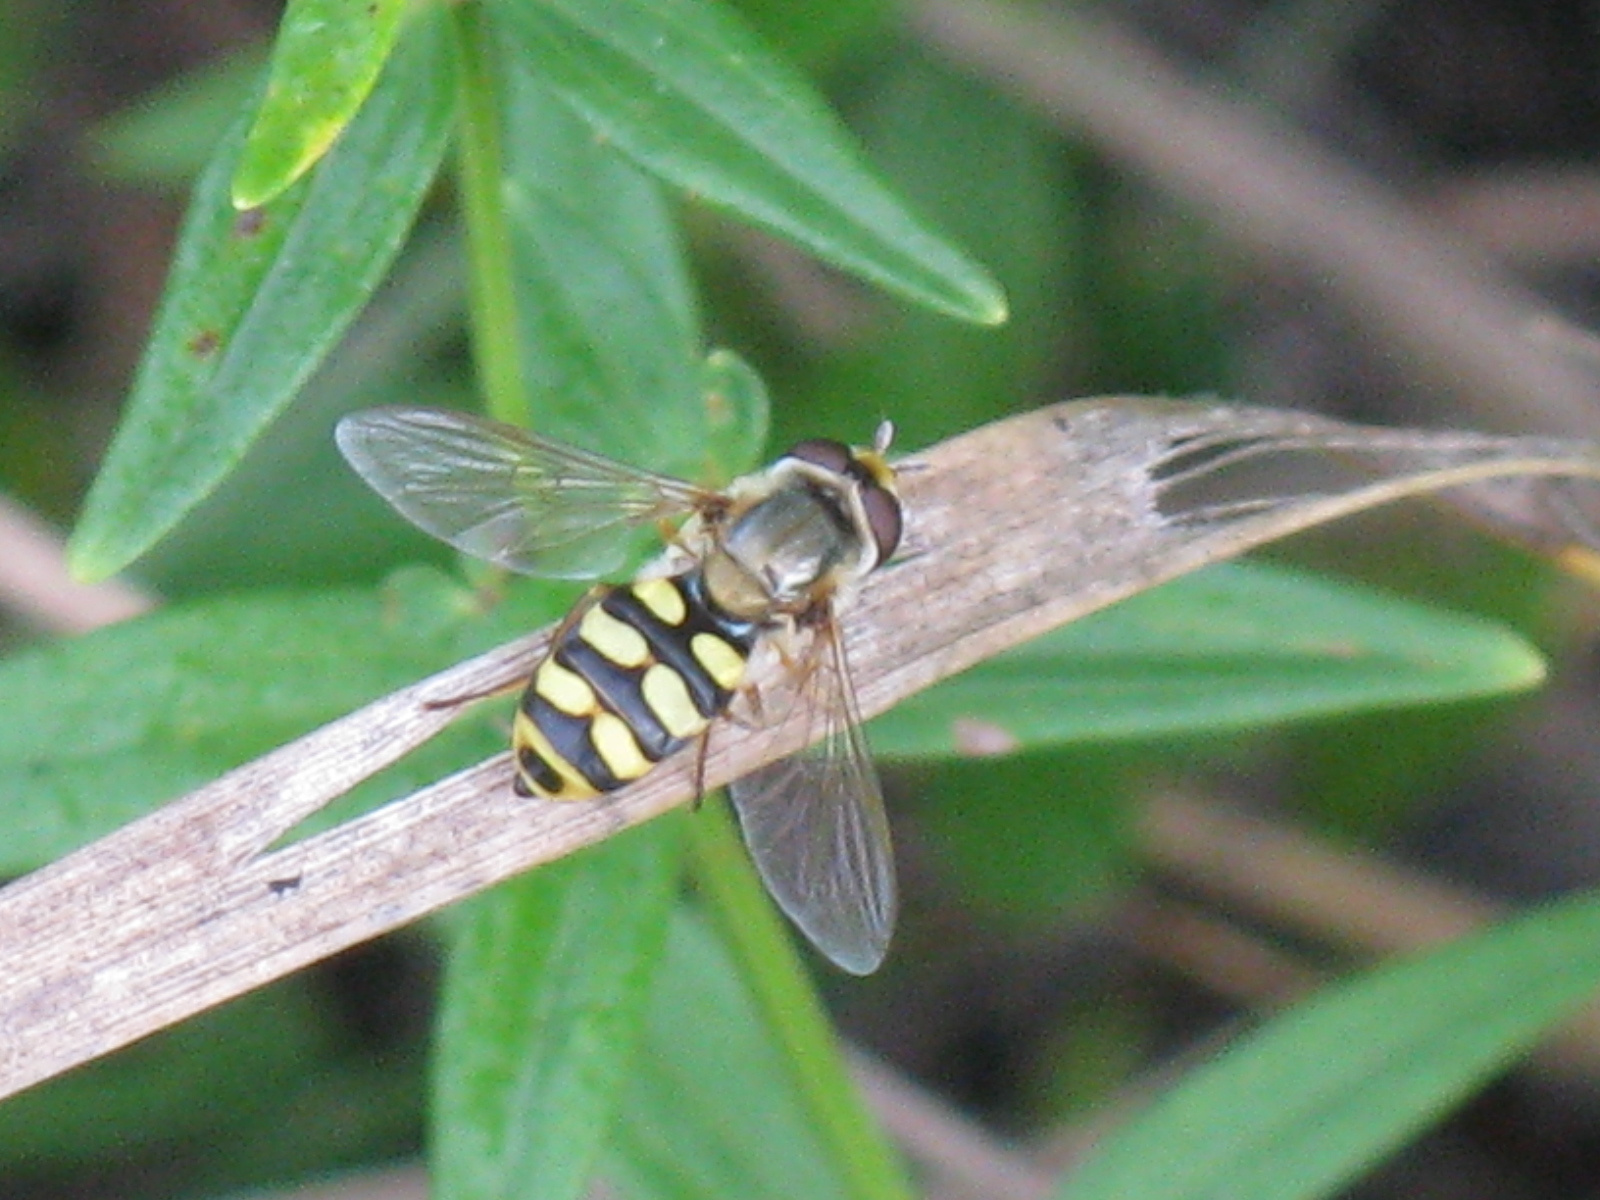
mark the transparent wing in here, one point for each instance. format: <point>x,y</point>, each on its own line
<point>505,495</point>
<point>815,823</point>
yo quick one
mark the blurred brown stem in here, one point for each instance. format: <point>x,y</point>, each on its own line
<point>1458,321</point>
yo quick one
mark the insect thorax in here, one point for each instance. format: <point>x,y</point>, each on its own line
<point>785,551</point>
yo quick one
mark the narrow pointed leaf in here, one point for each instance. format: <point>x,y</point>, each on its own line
<point>711,1109</point>
<point>690,93</point>
<point>1231,647</point>
<point>256,299</point>
<point>1303,1107</point>
<point>326,60</point>
<point>610,336</point>
<point>549,980</point>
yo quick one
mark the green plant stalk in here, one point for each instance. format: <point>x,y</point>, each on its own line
<point>491,290</point>
<point>752,929</point>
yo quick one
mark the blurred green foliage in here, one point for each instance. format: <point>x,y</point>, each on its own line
<point>348,289</point>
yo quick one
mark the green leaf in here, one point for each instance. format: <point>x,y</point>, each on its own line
<point>545,996</point>
<point>1322,1093</point>
<point>983,155</point>
<point>1231,647</point>
<point>327,528</point>
<point>327,57</point>
<point>610,338</point>
<point>691,94</point>
<point>257,299</point>
<point>711,1110</point>
<point>98,730</point>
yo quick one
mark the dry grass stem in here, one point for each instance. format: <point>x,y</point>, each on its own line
<point>1015,528</point>
<point>35,585</point>
<point>964,1160</point>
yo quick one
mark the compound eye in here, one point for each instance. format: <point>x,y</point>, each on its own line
<point>884,519</point>
<point>825,453</point>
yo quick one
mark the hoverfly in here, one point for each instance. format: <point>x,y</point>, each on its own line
<point>638,671</point>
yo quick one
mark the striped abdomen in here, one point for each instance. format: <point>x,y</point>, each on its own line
<point>635,674</point>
